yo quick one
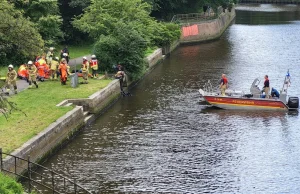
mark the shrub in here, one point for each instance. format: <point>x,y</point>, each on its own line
<point>9,185</point>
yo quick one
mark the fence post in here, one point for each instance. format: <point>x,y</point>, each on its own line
<point>1,167</point>
<point>29,174</point>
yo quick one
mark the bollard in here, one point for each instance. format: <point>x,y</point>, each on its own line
<point>74,80</point>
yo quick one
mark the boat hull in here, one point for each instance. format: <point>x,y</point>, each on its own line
<point>235,103</point>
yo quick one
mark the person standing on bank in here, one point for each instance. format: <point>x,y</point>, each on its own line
<point>11,79</point>
<point>63,69</point>
<point>53,68</point>
<point>94,66</point>
<point>223,84</point>
<point>32,70</point>
<point>266,87</point>
<point>85,70</point>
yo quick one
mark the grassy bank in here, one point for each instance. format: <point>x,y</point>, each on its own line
<point>149,51</point>
<point>77,50</point>
<point>40,107</point>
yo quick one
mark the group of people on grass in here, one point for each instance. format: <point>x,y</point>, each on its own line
<point>49,67</point>
<point>266,88</point>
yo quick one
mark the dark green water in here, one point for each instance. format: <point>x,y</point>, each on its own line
<point>162,140</point>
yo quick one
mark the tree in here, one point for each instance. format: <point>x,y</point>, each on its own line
<point>45,14</point>
<point>106,20</point>
<point>13,30</point>
<point>102,16</point>
<point>49,27</point>
<point>124,46</point>
<point>69,9</point>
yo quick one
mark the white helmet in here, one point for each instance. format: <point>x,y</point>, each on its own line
<point>51,48</point>
<point>56,58</point>
<point>84,58</point>
<point>65,54</point>
<point>11,66</point>
<point>29,63</point>
<point>93,56</point>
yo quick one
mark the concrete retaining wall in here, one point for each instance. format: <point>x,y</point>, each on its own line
<point>98,101</point>
<point>42,144</point>
<point>154,58</point>
<point>209,30</point>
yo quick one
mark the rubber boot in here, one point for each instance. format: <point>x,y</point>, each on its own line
<point>36,85</point>
<point>30,86</point>
<point>15,88</point>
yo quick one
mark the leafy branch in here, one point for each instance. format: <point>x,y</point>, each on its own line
<point>6,107</point>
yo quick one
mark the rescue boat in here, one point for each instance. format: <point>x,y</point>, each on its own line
<point>250,101</point>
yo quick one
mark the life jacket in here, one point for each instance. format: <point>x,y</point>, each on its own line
<point>85,66</point>
<point>94,64</point>
<point>22,71</point>
<point>63,69</point>
<point>225,81</point>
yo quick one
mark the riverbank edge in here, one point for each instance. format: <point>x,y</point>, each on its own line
<point>87,110</point>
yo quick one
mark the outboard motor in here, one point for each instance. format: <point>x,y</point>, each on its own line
<point>293,102</point>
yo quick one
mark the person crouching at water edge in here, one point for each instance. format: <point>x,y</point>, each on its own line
<point>223,84</point>
<point>11,79</point>
<point>63,69</point>
<point>32,70</point>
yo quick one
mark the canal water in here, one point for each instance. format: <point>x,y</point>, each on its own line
<point>163,140</point>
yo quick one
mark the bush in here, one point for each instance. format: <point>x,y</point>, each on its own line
<point>9,186</point>
<point>124,46</point>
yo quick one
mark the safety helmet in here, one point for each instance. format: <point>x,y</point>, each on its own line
<point>29,63</point>
<point>84,58</point>
<point>51,48</point>
<point>63,60</point>
<point>56,58</point>
<point>11,66</point>
<point>65,54</point>
<point>93,56</point>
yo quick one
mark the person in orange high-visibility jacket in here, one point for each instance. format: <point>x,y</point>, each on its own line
<point>64,71</point>
<point>22,72</point>
<point>94,66</point>
<point>43,69</point>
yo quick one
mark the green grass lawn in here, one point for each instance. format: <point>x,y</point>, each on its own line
<point>40,107</point>
<point>3,71</point>
<point>149,51</point>
<point>76,50</point>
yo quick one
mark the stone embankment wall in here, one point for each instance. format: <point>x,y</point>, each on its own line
<point>208,30</point>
